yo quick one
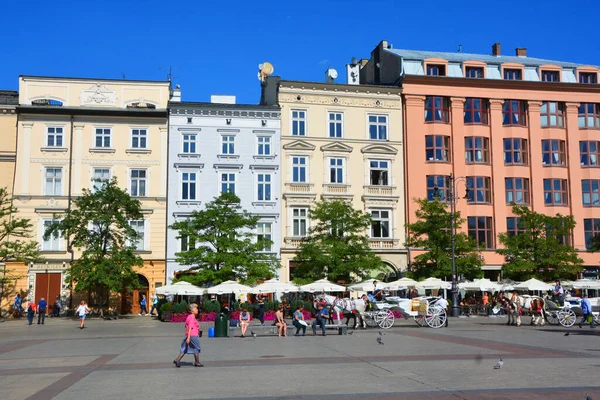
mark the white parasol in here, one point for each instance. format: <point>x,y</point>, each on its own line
<point>229,287</point>
<point>180,289</point>
<point>403,282</point>
<point>480,285</point>
<point>322,285</point>
<point>533,284</point>
<point>585,284</point>
<point>274,285</point>
<point>433,283</point>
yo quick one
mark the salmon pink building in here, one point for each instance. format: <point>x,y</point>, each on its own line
<point>509,128</point>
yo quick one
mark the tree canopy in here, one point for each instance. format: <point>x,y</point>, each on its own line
<point>337,246</point>
<point>99,225</point>
<point>222,244</point>
<point>432,233</point>
<point>540,248</point>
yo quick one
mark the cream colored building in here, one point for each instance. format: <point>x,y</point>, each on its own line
<point>72,132</point>
<point>342,141</point>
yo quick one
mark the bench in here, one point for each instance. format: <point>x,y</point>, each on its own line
<point>256,328</point>
<point>342,328</point>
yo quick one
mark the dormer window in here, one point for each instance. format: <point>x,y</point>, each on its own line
<point>588,77</point>
<point>513,74</point>
<point>142,104</point>
<point>474,72</point>
<point>550,76</point>
<point>436,70</point>
<point>47,102</point>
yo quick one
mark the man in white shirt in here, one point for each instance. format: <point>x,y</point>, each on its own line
<point>442,302</point>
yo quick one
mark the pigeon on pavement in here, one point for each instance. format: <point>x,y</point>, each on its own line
<point>587,397</point>
<point>379,340</point>
<point>350,333</point>
<point>499,364</point>
<point>567,334</point>
<point>253,334</point>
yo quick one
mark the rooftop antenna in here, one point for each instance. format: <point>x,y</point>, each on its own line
<point>460,48</point>
<point>123,75</point>
<point>170,75</point>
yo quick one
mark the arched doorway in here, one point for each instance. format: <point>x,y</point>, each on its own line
<point>133,297</point>
<point>387,273</point>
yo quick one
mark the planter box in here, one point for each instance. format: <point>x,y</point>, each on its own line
<point>166,316</point>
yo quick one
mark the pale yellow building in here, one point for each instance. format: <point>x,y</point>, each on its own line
<point>72,132</point>
<point>342,141</point>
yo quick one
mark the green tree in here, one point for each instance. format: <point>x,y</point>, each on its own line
<point>337,245</point>
<point>538,249</point>
<point>222,244</point>
<point>15,245</point>
<point>432,233</point>
<point>99,225</point>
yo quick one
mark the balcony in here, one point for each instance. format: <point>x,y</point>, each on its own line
<point>293,242</point>
<point>380,191</point>
<point>383,244</point>
<point>298,187</point>
<point>336,190</point>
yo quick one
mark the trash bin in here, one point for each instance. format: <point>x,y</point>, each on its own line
<point>221,325</point>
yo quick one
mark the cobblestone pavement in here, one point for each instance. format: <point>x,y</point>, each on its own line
<point>132,358</point>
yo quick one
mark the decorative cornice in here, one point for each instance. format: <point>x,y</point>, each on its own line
<point>338,100</point>
<point>299,145</point>
<point>336,147</point>
<point>414,101</point>
<point>379,149</point>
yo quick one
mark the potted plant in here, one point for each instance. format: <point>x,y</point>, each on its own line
<point>166,312</point>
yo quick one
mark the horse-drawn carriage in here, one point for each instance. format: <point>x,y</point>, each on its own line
<point>423,310</point>
<point>563,315</point>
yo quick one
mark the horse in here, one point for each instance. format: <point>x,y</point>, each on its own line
<point>342,306</point>
<point>515,304</point>
<point>510,303</point>
<point>535,306</point>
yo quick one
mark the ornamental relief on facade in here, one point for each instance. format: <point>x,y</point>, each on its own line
<point>340,101</point>
<point>98,95</point>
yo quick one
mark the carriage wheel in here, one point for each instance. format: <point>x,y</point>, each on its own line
<point>385,319</point>
<point>370,320</point>
<point>436,317</point>
<point>566,318</point>
<point>551,318</point>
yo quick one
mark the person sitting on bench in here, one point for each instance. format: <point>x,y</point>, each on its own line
<point>321,319</point>
<point>299,322</point>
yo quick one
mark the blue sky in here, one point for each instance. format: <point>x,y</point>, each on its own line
<point>216,46</point>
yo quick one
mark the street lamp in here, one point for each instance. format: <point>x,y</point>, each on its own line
<point>451,183</point>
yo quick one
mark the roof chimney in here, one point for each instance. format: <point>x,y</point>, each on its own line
<point>176,94</point>
<point>521,52</point>
<point>496,49</point>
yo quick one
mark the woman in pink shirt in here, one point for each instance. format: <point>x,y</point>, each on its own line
<point>191,342</point>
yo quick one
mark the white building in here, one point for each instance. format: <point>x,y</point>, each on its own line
<point>220,146</point>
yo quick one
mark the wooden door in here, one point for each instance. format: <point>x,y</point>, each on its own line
<point>47,285</point>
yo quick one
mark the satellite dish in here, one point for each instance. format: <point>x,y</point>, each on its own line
<point>333,73</point>
<point>265,69</point>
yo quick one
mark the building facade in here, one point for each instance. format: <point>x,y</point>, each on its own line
<point>73,134</point>
<point>508,128</point>
<point>341,141</point>
<point>223,146</point>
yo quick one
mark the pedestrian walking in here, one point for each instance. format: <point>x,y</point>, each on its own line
<point>143,306</point>
<point>82,311</point>
<point>191,341</point>
<point>41,310</point>
<point>17,306</point>
<point>586,308</point>
<point>56,307</point>
<point>154,304</point>
<point>30,311</point>
<point>261,310</point>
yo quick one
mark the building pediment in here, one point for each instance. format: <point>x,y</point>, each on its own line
<point>98,95</point>
<point>337,147</point>
<point>379,149</point>
<point>299,145</point>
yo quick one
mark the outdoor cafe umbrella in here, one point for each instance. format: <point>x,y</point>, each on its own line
<point>403,282</point>
<point>275,285</point>
<point>229,287</point>
<point>480,285</point>
<point>533,284</point>
<point>180,289</point>
<point>433,283</point>
<point>322,285</point>
<point>586,284</point>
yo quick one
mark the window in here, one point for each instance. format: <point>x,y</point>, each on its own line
<point>101,176</point>
<point>589,115</point>
<point>436,70</point>
<point>298,123</point>
<point>588,77</point>
<point>480,229</point>
<point>187,243</point>
<point>474,72</point>
<point>553,152</point>
<point>437,109</point>
<point>517,190</point>
<point>336,170</point>
<point>513,226</point>
<point>227,145</point>
<point>437,187</point>
<point>138,226</point>
<point>476,111</point>
<point>513,74</point>
<point>189,143</point>
<point>53,182</point>
<point>264,145</point>
<point>477,150</point>
<point>227,182</point>
<point>188,185</point>
<point>103,137</point>
<point>552,114</point>
<point>479,189</point>
<point>335,124</point>
<point>263,231</point>
<point>378,127</point>
<point>589,192</point>
<point>380,224</point>
<point>54,136</point>
<point>591,228</point>
<point>299,169</point>
<point>515,151</point>
<point>189,120</point>
<point>437,148</point>
<point>588,153</point>
<point>550,76</point>
<point>138,182</point>
<point>514,112</point>
<point>264,187</point>
<point>299,221</point>
<point>53,242</point>
<point>379,173</point>
<point>139,138</point>
<point>555,192</point>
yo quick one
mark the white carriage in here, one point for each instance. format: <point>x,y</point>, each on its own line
<point>563,315</point>
<point>423,310</point>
